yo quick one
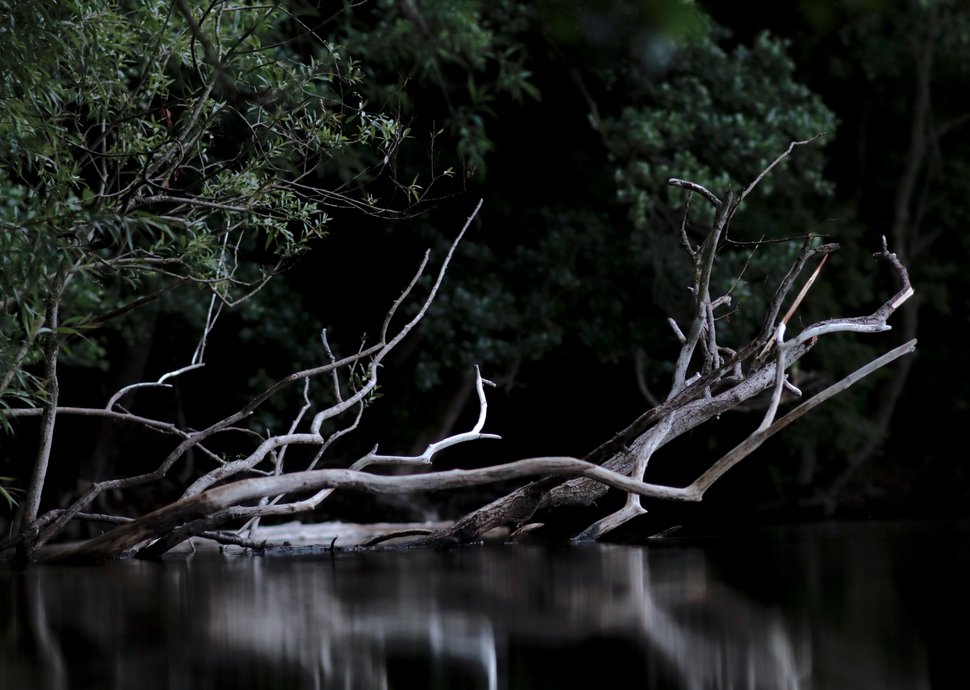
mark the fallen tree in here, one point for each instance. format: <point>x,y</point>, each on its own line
<point>709,378</point>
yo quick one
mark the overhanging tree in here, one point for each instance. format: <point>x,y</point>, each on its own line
<point>157,147</point>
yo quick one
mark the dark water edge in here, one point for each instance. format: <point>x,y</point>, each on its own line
<point>854,606</point>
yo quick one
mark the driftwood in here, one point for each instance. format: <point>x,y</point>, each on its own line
<point>709,378</point>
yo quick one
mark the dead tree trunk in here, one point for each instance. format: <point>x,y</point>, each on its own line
<point>723,379</point>
<point>709,378</point>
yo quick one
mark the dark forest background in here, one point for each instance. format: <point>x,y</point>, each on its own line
<point>567,118</point>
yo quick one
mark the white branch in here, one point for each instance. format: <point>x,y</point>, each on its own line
<point>160,383</point>
<point>677,332</point>
<point>805,288</point>
<point>179,372</point>
<point>130,387</point>
<point>630,510</point>
<point>841,326</point>
<point>252,460</point>
<point>902,297</point>
<point>779,378</point>
<point>373,458</point>
<point>199,510</point>
<point>703,267</point>
<point>387,347</point>
<point>425,457</point>
<point>875,322</point>
<point>296,423</point>
<point>379,351</point>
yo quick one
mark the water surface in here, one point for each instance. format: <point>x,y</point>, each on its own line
<point>854,606</point>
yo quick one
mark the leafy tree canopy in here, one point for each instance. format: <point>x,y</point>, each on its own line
<point>148,145</point>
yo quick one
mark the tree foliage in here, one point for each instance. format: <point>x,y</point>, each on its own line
<point>149,146</point>
<point>152,147</point>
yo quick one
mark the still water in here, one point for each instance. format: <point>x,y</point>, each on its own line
<point>850,606</point>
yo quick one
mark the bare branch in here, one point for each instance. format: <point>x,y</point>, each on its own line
<point>178,372</point>
<point>631,509</point>
<point>804,291</point>
<point>779,379</point>
<point>387,347</point>
<point>404,295</point>
<point>774,306</point>
<point>689,407</point>
<point>336,379</point>
<point>746,447</point>
<point>771,166</point>
<point>230,496</point>
<point>381,350</point>
<point>278,459</point>
<point>694,187</point>
<point>437,284</point>
<point>373,458</point>
<point>191,440</point>
<point>681,338</point>
<point>425,457</point>
<point>130,387</point>
<point>875,322</point>
<point>703,266</point>
<point>154,424</point>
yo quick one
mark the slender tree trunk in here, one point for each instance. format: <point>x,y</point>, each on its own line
<point>31,504</point>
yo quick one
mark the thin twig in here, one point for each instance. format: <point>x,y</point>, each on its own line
<point>771,166</point>
<point>804,291</point>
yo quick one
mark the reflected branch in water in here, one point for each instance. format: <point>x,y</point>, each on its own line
<point>477,618</point>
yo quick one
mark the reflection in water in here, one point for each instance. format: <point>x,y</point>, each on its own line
<point>797,613</point>
<point>463,615</point>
